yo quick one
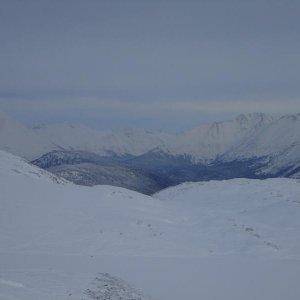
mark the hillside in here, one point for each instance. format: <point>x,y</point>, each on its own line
<point>262,210</point>
<point>58,240</point>
<point>279,143</point>
<point>207,142</point>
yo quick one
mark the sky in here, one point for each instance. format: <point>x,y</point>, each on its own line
<point>157,64</point>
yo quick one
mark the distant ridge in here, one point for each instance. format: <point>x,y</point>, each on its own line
<point>252,145</point>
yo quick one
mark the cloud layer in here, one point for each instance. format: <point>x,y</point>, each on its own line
<point>167,115</point>
<point>155,62</point>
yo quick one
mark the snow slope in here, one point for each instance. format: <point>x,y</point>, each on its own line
<point>189,214</point>
<point>226,212</point>
<point>56,237</point>
<point>70,218</point>
<point>279,141</point>
<point>206,142</point>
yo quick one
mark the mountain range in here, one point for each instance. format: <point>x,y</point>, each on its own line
<point>253,145</point>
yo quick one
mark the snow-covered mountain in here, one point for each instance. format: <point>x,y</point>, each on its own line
<point>278,142</point>
<point>269,145</point>
<point>247,135</point>
<point>133,141</point>
<point>20,140</point>
<point>33,142</point>
<point>204,143</point>
<point>262,145</point>
<point>207,142</point>
<point>62,241</point>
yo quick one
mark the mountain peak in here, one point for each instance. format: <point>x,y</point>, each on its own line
<point>256,116</point>
<point>203,143</point>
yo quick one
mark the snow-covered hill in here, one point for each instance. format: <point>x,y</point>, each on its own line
<point>264,210</point>
<point>56,237</point>
<point>72,218</point>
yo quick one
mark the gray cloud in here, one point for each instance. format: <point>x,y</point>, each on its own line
<point>167,115</point>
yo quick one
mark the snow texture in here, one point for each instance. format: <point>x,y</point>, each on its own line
<point>234,239</point>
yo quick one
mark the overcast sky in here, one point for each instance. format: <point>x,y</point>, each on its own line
<point>157,64</point>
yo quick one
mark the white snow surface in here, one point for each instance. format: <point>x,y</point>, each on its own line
<point>280,141</point>
<point>208,141</point>
<point>216,240</point>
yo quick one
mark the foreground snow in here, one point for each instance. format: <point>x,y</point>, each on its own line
<point>49,277</point>
<point>56,238</point>
<point>241,215</point>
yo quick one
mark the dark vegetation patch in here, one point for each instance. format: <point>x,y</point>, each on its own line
<point>150,172</point>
